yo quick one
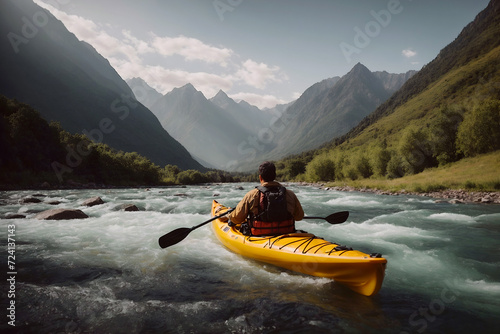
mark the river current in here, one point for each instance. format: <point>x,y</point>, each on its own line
<point>107,274</point>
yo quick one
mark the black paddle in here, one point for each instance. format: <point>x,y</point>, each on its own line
<point>179,234</point>
<point>334,218</point>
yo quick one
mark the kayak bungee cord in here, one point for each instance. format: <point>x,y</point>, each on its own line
<point>304,242</point>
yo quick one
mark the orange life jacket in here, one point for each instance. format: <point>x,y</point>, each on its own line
<point>273,216</point>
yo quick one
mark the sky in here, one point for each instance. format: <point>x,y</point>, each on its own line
<point>265,52</point>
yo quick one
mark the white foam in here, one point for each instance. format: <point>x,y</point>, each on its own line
<point>482,286</point>
<point>385,231</point>
<point>353,201</point>
<point>453,217</point>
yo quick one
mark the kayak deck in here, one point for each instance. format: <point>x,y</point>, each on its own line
<point>307,254</point>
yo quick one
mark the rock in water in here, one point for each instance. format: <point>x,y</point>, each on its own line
<point>129,207</point>
<point>59,214</point>
<point>29,199</point>
<point>93,201</point>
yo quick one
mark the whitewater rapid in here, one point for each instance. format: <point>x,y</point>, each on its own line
<point>107,274</point>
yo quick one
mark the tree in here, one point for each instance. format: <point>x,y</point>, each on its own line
<point>395,166</point>
<point>321,168</point>
<point>415,150</point>
<point>380,159</point>
<point>443,135</point>
<point>479,132</point>
<point>363,167</point>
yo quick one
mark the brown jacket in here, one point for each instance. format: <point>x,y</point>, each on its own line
<point>250,203</point>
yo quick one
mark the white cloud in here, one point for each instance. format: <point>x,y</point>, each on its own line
<point>88,31</point>
<point>408,53</point>
<point>126,54</point>
<point>258,74</point>
<point>142,47</point>
<point>190,49</point>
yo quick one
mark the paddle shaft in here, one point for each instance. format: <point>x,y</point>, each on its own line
<point>180,234</point>
<point>212,219</point>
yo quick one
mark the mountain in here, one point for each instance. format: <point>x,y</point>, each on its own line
<point>143,93</point>
<point>443,113</point>
<point>246,115</point>
<point>331,108</point>
<point>67,80</point>
<point>477,39</point>
<point>209,132</point>
<point>392,82</point>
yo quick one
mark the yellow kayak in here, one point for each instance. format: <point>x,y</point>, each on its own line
<point>307,254</point>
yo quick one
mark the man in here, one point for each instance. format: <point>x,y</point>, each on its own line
<point>271,209</point>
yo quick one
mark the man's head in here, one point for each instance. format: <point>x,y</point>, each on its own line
<point>267,171</point>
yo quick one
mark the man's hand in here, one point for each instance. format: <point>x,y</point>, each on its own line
<point>218,212</point>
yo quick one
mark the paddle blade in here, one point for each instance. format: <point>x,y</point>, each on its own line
<point>337,217</point>
<point>174,237</point>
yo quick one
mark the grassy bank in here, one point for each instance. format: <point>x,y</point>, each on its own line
<point>481,173</point>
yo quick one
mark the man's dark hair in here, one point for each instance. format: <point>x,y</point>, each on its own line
<point>268,171</point>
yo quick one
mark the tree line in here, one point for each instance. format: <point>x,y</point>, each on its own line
<point>454,133</point>
<point>32,151</point>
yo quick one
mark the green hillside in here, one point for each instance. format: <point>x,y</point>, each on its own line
<point>448,111</point>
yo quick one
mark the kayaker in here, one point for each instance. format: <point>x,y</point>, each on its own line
<point>270,209</point>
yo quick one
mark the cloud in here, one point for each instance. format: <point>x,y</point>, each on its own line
<point>127,54</point>
<point>88,31</point>
<point>408,53</point>
<point>261,101</point>
<point>190,49</point>
<point>164,80</point>
<point>257,74</point>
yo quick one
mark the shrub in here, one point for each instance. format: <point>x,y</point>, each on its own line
<point>380,160</point>
<point>395,167</point>
<point>443,135</point>
<point>415,151</point>
<point>363,167</point>
<point>320,168</point>
<point>478,132</point>
<point>191,176</point>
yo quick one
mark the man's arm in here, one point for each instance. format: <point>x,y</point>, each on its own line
<point>298,212</point>
<point>239,215</point>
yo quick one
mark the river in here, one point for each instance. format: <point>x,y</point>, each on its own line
<point>107,274</point>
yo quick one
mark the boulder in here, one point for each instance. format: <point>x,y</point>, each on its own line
<point>129,207</point>
<point>456,201</point>
<point>93,201</point>
<point>486,199</point>
<point>14,216</point>
<point>29,200</point>
<point>58,214</point>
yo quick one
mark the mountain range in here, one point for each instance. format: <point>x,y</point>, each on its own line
<point>331,108</point>
<point>68,81</point>
<point>443,113</point>
<point>477,40</point>
<point>224,134</point>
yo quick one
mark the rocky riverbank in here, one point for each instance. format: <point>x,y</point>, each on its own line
<point>450,195</point>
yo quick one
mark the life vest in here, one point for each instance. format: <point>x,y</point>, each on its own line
<point>273,216</point>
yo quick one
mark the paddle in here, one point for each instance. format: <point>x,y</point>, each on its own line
<point>179,234</point>
<point>334,218</point>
